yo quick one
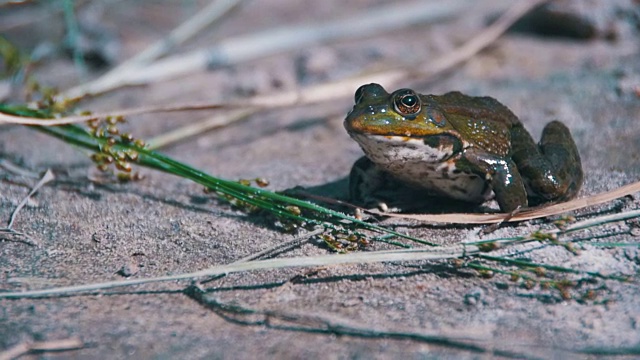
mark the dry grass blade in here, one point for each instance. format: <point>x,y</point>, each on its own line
<point>439,253</point>
<point>534,213</point>
<point>17,170</point>
<point>332,324</point>
<point>279,247</point>
<point>208,15</point>
<point>464,250</point>
<point>215,11</point>
<point>318,93</point>
<point>197,128</point>
<point>48,176</point>
<point>481,41</point>
<point>345,87</point>
<point>244,48</point>
<point>24,120</point>
<point>23,348</point>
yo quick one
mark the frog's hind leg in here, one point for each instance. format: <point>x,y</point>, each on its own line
<point>553,169</point>
<point>558,147</point>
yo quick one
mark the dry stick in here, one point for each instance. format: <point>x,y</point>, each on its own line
<point>47,177</point>
<point>289,244</point>
<point>534,213</point>
<point>439,253</point>
<point>318,93</point>
<point>324,260</point>
<point>23,348</point>
<point>486,37</point>
<point>12,119</point>
<point>252,46</point>
<point>345,87</point>
<point>205,17</point>
<point>17,170</point>
<point>320,323</point>
<point>42,14</point>
<point>296,241</point>
<point>215,11</point>
<point>197,128</point>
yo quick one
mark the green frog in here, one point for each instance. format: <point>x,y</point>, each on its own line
<point>457,146</point>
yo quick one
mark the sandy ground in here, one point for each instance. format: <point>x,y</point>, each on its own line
<point>165,225</point>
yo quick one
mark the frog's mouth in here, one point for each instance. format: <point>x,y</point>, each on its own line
<point>394,148</point>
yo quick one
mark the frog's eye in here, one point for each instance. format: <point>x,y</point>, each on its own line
<point>407,102</point>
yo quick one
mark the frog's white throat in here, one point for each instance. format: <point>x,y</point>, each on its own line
<point>387,151</point>
<point>425,166</point>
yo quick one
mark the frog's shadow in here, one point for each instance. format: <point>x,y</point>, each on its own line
<point>409,200</point>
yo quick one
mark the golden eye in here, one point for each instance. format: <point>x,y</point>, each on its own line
<point>407,102</point>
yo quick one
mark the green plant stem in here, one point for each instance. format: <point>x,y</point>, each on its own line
<point>527,264</point>
<point>73,33</point>
<point>275,204</point>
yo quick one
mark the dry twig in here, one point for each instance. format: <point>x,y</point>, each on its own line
<point>319,93</point>
<point>197,128</point>
<point>324,260</point>
<point>47,177</point>
<point>23,348</point>
<point>252,46</point>
<point>529,214</point>
<point>323,324</point>
<point>438,253</point>
<point>17,170</point>
<point>215,11</point>
<point>329,91</point>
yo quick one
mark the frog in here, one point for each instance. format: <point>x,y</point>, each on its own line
<point>466,148</point>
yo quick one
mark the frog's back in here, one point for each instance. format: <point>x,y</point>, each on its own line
<point>474,107</point>
<point>482,121</point>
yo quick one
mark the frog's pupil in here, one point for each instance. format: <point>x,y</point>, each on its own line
<point>409,100</point>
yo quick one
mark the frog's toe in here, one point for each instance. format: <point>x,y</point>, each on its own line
<point>382,206</point>
<point>385,208</point>
<point>374,204</point>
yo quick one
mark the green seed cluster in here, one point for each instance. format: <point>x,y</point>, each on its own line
<point>344,242</point>
<point>110,156</point>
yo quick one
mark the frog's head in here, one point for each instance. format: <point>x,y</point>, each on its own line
<point>401,113</point>
<point>381,123</point>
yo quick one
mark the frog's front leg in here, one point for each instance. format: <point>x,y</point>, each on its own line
<point>552,169</point>
<point>369,186</point>
<point>502,174</point>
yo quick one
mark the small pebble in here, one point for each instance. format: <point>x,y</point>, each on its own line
<point>129,268</point>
